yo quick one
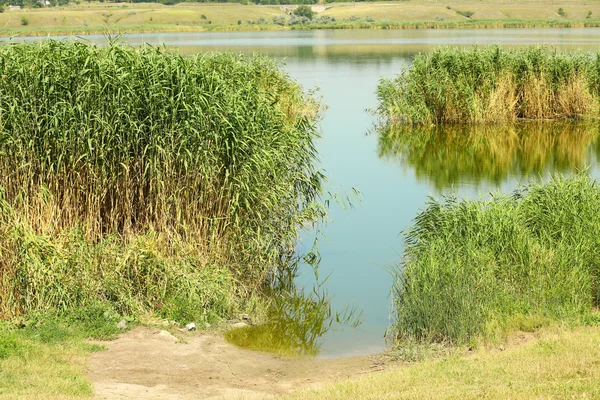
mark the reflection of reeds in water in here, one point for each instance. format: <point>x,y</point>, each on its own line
<point>297,318</point>
<point>459,154</point>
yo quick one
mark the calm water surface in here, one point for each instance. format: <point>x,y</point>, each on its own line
<point>395,176</point>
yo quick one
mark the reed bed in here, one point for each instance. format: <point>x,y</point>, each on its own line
<point>451,155</point>
<point>106,147</point>
<point>492,85</point>
<point>475,270</point>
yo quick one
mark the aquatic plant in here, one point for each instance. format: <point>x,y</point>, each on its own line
<point>479,269</point>
<point>111,144</point>
<point>485,85</point>
<point>478,154</point>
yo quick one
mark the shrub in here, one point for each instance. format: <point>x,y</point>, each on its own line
<point>304,11</point>
<point>466,14</point>
<point>279,20</point>
<point>562,12</point>
<point>24,21</point>
<point>295,20</point>
<point>324,19</point>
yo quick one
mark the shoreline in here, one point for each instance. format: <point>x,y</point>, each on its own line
<point>382,25</point>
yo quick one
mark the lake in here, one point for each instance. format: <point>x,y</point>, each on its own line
<point>395,178</point>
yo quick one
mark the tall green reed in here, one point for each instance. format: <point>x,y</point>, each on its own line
<point>216,151</point>
<point>479,269</point>
<point>490,84</point>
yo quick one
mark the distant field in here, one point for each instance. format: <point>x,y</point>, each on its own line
<point>429,11</point>
<point>151,17</point>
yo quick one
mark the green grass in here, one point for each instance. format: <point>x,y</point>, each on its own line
<point>477,270</point>
<point>557,363</point>
<point>44,356</point>
<point>491,85</point>
<point>147,180</point>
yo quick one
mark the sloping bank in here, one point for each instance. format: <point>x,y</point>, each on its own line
<point>139,181</point>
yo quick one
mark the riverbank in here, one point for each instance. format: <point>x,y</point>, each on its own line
<point>559,362</point>
<point>100,18</point>
<point>149,202</point>
<point>158,362</point>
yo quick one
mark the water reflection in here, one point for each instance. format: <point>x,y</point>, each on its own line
<point>452,155</point>
<point>297,319</point>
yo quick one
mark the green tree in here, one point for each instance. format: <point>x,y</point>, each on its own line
<point>304,11</point>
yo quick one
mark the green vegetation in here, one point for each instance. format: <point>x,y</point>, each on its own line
<point>146,181</point>
<point>44,356</point>
<point>475,270</point>
<point>450,155</point>
<point>303,11</point>
<point>466,14</point>
<point>485,85</point>
<point>556,363</point>
<point>561,12</point>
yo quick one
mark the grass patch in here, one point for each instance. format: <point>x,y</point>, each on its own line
<point>557,363</point>
<point>490,85</point>
<point>476,270</point>
<point>44,355</point>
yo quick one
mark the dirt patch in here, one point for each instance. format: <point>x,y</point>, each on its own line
<point>145,363</point>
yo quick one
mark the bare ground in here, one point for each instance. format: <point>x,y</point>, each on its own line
<point>151,364</point>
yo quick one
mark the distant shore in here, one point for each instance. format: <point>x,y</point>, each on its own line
<point>128,18</point>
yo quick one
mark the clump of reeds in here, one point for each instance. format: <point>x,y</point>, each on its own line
<point>479,269</point>
<point>214,150</point>
<point>489,85</point>
<point>452,155</point>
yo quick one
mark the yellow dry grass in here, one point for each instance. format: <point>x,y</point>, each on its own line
<point>574,99</point>
<point>148,17</point>
<point>144,14</point>
<point>502,101</point>
<point>558,363</point>
<point>45,371</point>
<point>428,11</point>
